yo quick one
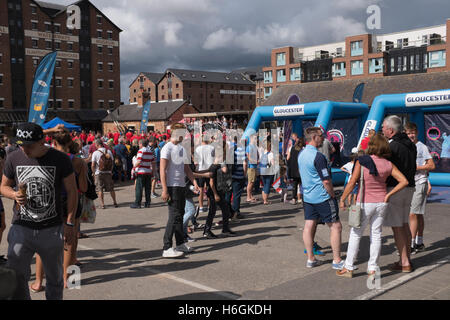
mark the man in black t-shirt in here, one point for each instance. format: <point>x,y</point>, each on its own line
<point>37,225</point>
<point>403,156</point>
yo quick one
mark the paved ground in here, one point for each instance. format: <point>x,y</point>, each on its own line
<point>122,258</point>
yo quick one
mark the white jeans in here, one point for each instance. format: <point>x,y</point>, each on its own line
<point>373,214</point>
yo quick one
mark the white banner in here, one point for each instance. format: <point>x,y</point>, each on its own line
<point>50,36</point>
<point>237,92</point>
<point>104,42</point>
<point>370,124</point>
<point>291,110</point>
<point>61,54</point>
<point>427,99</point>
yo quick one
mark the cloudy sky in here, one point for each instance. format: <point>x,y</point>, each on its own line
<point>222,35</point>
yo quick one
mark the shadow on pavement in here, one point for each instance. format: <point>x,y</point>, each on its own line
<point>143,271</point>
<point>121,230</point>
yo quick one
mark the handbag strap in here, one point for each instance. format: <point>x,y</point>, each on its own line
<point>361,187</point>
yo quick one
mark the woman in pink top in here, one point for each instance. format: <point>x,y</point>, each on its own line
<point>376,170</point>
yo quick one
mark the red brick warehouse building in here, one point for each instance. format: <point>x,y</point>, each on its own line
<point>86,80</point>
<point>206,91</point>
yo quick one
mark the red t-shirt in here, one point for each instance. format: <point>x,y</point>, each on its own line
<point>91,137</point>
<point>83,137</point>
<point>365,143</point>
<point>128,135</point>
<point>116,137</point>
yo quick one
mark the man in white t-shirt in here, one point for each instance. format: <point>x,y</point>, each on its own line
<point>174,167</point>
<point>102,165</point>
<point>424,163</point>
<point>204,158</point>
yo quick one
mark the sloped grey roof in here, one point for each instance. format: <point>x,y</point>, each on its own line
<point>208,76</point>
<point>154,77</point>
<point>253,73</point>
<point>342,90</point>
<point>132,112</point>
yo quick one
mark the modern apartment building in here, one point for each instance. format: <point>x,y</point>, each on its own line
<point>362,56</point>
<point>87,73</point>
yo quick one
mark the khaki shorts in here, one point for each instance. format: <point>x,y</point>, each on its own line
<point>104,182</point>
<point>251,175</point>
<point>419,199</point>
<point>397,212</point>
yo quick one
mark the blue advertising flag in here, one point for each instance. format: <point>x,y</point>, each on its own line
<point>145,112</point>
<point>41,89</point>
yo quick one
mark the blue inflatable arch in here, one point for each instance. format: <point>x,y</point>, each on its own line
<point>323,112</point>
<point>415,104</point>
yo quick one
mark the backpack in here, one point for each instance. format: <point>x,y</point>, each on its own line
<point>106,162</point>
<point>224,180</point>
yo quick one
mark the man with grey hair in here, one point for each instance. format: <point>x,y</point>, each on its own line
<point>403,155</point>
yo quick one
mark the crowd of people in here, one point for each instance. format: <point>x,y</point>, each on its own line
<point>387,178</point>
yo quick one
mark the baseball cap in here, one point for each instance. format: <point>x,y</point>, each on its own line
<point>28,133</point>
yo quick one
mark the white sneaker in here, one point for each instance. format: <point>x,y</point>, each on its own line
<point>172,253</point>
<point>184,248</point>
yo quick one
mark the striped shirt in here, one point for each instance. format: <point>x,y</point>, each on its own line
<point>146,157</point>
<point>239,157</point>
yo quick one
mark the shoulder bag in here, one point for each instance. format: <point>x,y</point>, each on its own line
<point>354,212</point>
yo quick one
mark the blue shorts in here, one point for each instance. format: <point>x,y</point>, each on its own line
<point>327,211</point>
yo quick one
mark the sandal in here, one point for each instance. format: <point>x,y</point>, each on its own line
<point>42,288</point>
<point>82,236</point>
<point>267,203</point>
<point>103,207</point>
<point>344,273</point>
<point>116,205</point>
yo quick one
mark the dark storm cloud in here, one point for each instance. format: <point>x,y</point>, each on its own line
<point>220,35</point>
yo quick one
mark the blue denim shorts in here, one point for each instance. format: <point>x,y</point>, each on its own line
<point>267,182</point>
<point>327,211</point>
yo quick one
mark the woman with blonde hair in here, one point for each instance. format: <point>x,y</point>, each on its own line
<point>376,169</point>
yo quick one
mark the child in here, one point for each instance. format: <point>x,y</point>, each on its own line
<point>348,168</point>
<point>283,184</point>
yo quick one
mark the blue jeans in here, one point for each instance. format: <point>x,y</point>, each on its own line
<point>238,187</point>
<point>267,181</point>
<point>189,212</point>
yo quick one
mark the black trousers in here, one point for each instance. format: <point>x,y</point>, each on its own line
<point>176,213</point>
<point>224,206</point>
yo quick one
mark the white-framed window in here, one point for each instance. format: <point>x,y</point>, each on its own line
<point>69,46</point>
<point>34,42</point>
<point>110,50</point>
<point>33,8</point>
<point>100,66</point>
<point>101,104</point>
<point>100,83</point>
<point>110,66</point>
<point>57,45</point>
<point>58,82</point>
<point>58,63</point>
<point>109,34</point>
<point>1,79</point>
<point>48,44</point>
<point>58,103</point>
<point>70,82</point>
<point>48,26</point>
<point>34,24</point>
<point>111,104</point>
<point>35,61</point>
<point>1,58</point>
<point>2,103</point>
<point>99,49</point>
<point>57,28</point>
<point>111,84</point>
<point>99,33</point>
<point>71,103</point>
<point>99,19</point>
